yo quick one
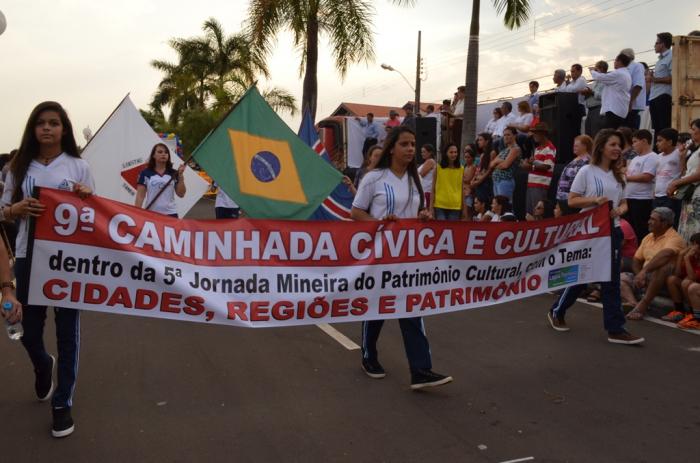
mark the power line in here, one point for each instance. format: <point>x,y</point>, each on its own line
<point>589,21</point>
<point>506,45</point>
<point>511,37</point>
<point>375,88</point>
<point>511,43</point>
<point>523,30</point>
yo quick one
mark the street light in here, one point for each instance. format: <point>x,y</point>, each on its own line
<point>391,68</point>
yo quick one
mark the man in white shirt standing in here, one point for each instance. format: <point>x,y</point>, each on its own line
<point>506,120</point>
<point>615,103</point>
<point>668,169</point>
<point>638,91</point>
<point>559,78</point>
<point>576,84</point>
<point>660,96</point>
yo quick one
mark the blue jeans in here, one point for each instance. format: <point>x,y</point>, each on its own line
<point>504,188</point>
<point>452,215</point>
<point>67,338</point>
<point>613,316</point>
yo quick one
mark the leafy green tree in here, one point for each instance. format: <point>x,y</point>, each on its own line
<point>211,73</point>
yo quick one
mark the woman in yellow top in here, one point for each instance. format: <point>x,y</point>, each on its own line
<point>447,197</point>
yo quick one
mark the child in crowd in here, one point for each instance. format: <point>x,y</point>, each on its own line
<point>469,173</point>
<point>686,275</point>
<point>481,209</point>
<point>447,197</point>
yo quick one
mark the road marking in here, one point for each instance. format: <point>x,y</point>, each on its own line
<point>694,349</point>
<point>519,460</point>
<point>647,318</point>
<point>343,340</point>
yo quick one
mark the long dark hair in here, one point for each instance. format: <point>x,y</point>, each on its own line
<point>385,160</point>
<point>152,159</point>
<point>445,161</point>
<point>485,155</point>
<point>368,155</point>
<point>597,155</point>
<point>430,149</point>
<point>504,202</point>
<point>29,147</point>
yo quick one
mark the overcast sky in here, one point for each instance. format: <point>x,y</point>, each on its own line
<point>87,54</point>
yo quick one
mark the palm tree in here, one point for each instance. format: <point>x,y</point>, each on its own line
<point>207,67</point>
<point>516,13</point>
<point>212,72</point>
<point>347,23</point>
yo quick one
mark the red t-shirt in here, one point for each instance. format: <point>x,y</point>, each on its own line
<point>696,268</point>
<point>629,246</point>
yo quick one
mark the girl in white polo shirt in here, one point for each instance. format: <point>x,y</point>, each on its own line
<point>601,182</point>
<point>47,157</point>
<point>393,191</point>
<point>158,183</point>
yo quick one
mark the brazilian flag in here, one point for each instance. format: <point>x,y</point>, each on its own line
<point>262,165</point>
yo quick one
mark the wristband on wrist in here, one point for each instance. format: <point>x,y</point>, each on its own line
<point>7,284</point>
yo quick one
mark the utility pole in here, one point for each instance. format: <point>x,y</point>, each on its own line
<point>418,69</point>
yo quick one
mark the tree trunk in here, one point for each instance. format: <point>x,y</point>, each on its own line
<point>310,94</point>
<point>472,79</point>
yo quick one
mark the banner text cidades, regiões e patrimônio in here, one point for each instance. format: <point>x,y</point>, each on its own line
<point>101,255</point>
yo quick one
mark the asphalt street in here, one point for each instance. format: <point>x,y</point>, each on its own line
<point>163,391</point>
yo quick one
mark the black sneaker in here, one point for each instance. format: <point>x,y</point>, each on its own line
<point>426,378</point>
<point>62,422</point>
<point>43,381</point>
<point>373,368</point>
<point>625,338</point>
<point>556,322</point>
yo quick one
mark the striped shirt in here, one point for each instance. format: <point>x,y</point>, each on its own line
<point>546,154</point>
<point>382,193</point>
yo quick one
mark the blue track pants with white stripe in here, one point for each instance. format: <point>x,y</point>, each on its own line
<point>67,338</point>
<point>613,316</point>
<point>414,341</point>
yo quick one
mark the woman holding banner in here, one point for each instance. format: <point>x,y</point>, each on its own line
<point>47,157</point>
<point>159,183</point>
<point>598,183</point>
<point>393,191</point>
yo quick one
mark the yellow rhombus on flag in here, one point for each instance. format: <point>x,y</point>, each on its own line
<point>263,165</point>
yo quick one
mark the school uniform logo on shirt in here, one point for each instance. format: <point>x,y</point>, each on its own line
<point>66,185</point>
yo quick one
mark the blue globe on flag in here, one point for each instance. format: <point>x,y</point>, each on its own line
<point>265,166</point>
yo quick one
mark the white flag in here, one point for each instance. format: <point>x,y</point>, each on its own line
<point>119,151</point>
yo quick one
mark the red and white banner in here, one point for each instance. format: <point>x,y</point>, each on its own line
<point>98,254</point>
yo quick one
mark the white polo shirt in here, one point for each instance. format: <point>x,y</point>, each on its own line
<point>63,173</point>
<point>382,193</point>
